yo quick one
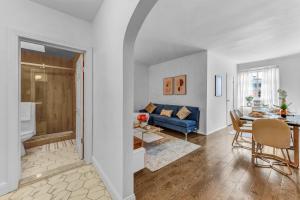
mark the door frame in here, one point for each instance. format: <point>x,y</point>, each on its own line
<point>79,120</point>
<point>229,84</point>
<point>14,94</point>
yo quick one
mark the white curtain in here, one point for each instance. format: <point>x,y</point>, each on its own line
<point>270,85</point>
<point>244,84</point>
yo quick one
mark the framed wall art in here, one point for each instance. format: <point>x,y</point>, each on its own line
<point>168,86</point>
<point>180,85</point>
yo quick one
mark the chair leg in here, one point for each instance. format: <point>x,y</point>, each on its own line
<point>286,162</point>
<point>235,137</point>
<point>185,136</point>
<point>288,155</point>
<point>292,138</point>
<point>253,151</point>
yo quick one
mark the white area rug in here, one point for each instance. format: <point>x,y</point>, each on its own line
<point>148,137</point>
<point>163,152</point>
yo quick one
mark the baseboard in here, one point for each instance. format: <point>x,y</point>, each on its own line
<point>131,197</point>
<point>109,186</point>
<point>5,188</point>
<point>216,130</point>
<point>201,133</point>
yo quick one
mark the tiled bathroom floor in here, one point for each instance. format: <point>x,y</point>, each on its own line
<point>82,183</point>
<point>39,160</point>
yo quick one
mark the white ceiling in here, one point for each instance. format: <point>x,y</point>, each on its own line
<point>244,30</point>
<point>84,9</point>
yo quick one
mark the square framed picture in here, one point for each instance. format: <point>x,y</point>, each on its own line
<point>168,86</point>
<point>180,85</point>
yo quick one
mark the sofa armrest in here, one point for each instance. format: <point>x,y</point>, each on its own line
<point>143,111</point>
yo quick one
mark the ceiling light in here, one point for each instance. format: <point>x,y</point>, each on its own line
<point>38,77</point>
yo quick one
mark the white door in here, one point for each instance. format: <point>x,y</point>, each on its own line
<point>229,97</point>
<point>79,105</point>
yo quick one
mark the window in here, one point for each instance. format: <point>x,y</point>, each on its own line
<point>255,84</point>
<point>261,83</point>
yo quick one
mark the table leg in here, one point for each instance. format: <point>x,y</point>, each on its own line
<point>143,138</point>
<point>295,163</point>
<point>253,151</point>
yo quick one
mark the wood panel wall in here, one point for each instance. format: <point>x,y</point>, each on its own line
<point>54,93</point>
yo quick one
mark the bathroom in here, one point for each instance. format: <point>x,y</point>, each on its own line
<point>51,108</point>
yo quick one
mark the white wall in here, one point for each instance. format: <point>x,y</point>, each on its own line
<point>289,72</point>
<point>112,143</point>
<point>216,106</point>
<point>194,66</point>
<point>30,18</point>
<point>141,86</point>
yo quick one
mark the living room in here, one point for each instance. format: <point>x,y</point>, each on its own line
<point>161,57</point>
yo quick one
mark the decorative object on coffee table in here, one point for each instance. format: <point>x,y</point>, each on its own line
<point>142,118</point>
<point>168,86</point>
<point>180,85</point>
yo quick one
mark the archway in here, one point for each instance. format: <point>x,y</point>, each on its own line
<point>136,21</point>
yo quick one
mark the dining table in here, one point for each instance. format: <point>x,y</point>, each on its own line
<point>293,121</point>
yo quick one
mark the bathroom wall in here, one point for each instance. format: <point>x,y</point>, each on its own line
<point>53,91</point>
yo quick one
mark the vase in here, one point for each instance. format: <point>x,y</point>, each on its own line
<point>249,104</point>
<point>283,113</point>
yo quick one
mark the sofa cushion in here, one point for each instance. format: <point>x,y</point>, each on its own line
<point>183,113</point>
<point>150,107</point>
<point>166,113</point>
<point>173,121</point>
<point>160,107</point>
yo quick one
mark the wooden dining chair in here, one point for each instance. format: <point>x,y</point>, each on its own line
<point>239,129</point>
<point>238,115</point>
<point>273,133</point>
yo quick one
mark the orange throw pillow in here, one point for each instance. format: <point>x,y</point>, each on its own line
<point>166,113</point>
<point>183,113</point>
<point>150,107</point>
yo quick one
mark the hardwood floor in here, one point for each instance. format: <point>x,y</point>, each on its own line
<point>215,171</point>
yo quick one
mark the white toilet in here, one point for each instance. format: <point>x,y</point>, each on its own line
<point>28,125</point>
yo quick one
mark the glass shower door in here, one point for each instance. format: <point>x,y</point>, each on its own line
<point>34,86</point>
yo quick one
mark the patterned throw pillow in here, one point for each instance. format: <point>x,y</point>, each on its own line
<point>166,113</point>
<point>183,113</point>
<point>150,107</point>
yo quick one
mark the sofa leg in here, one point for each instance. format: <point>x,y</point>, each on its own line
<point>185,136</point>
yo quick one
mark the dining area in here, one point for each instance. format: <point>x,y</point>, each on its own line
<point>271,138</point>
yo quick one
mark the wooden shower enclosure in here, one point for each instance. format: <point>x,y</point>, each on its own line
<point>52,89</point>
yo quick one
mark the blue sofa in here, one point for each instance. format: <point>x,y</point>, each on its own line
<point>188,125</point>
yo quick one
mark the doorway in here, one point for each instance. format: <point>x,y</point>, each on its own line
<point>51,109</point>
<point>229,97</point>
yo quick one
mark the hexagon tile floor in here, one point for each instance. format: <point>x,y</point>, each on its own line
<point>48,157</point>
<point>82,183</point>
